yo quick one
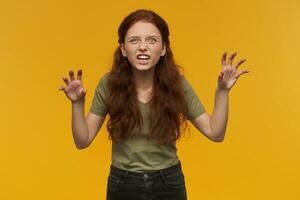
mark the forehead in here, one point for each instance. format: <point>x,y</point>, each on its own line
<point>142,29</point>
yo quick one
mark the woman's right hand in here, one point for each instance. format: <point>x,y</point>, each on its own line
<point>74,89</point>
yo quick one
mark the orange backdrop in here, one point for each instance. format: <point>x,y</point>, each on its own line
<point>41,40</point>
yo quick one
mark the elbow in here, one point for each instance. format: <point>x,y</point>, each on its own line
<point>81,146</point>
<point>218,138</point>
<point>82,143</point>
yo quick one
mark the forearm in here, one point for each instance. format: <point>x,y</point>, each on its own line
<point>79,125</point>
<point>218,120</point>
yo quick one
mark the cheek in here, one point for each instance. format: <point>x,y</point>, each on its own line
<point>157,51</point>
<point>130,51</point>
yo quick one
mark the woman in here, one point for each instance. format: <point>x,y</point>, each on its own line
<point>149,103</point>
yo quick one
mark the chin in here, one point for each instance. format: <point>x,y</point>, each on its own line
<point>143,67</point>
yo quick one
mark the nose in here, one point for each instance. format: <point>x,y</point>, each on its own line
<point>143,46</point>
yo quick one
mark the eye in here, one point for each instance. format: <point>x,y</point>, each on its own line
<point>133,41</point>
<point>152,40</point>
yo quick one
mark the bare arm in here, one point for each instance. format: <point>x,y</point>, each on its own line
<point>214,127</point>
<point>79,125</point>
<point>94,123</point>
<point>219,118</point>
<point>84,129</point>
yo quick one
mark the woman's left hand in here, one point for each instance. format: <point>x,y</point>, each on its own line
<point>229,73</point>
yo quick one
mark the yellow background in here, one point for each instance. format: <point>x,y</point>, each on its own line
<point>41,40</point>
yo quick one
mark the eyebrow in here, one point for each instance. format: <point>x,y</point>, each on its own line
<point>134,36</point>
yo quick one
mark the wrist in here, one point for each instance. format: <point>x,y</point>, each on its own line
<point>79,102</point>
<point>223,90</point>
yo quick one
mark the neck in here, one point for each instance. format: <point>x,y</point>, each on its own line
<point>143,79</point>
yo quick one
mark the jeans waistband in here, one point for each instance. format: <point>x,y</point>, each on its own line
<point>165,171</point>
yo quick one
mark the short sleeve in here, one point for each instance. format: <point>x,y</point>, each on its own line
<point>99,102</point>
<point>195,107</point>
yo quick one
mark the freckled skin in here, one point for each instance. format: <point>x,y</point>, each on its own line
<point>143,38</point>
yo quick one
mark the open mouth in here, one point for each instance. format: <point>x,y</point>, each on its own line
<point>143,57</point>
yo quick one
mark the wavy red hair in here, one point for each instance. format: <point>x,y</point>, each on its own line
<point>168,108</point>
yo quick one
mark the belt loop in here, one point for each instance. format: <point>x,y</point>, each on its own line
<point>126,175</point>
<point>145,176</point>
<point>162,174</point>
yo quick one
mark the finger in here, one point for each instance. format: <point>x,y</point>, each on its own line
<point>220,77</point>
<point>231,58</point>
<point>82,91</point>
<point>79,75</point>
<point>241,72</point>
<point>66,80</point>
<point>224,58</point>
<point>62,88</point>
<point>71,73</point>
<point>239,63</point>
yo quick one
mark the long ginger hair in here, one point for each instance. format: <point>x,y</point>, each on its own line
<point>168,108</point>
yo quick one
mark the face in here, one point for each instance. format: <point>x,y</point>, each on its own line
<point>143,46</point>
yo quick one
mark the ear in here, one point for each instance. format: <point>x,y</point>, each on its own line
<point>164,49</point>
<point>122,47</point>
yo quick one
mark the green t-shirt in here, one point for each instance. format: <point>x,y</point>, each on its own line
<point>136,153</point>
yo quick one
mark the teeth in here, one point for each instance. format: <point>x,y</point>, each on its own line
<point>143,57</point>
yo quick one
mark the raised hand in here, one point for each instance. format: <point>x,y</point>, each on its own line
<point>229,74</point>
<point>74,89</point>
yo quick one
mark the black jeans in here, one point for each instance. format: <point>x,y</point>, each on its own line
<point>165,184</point>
